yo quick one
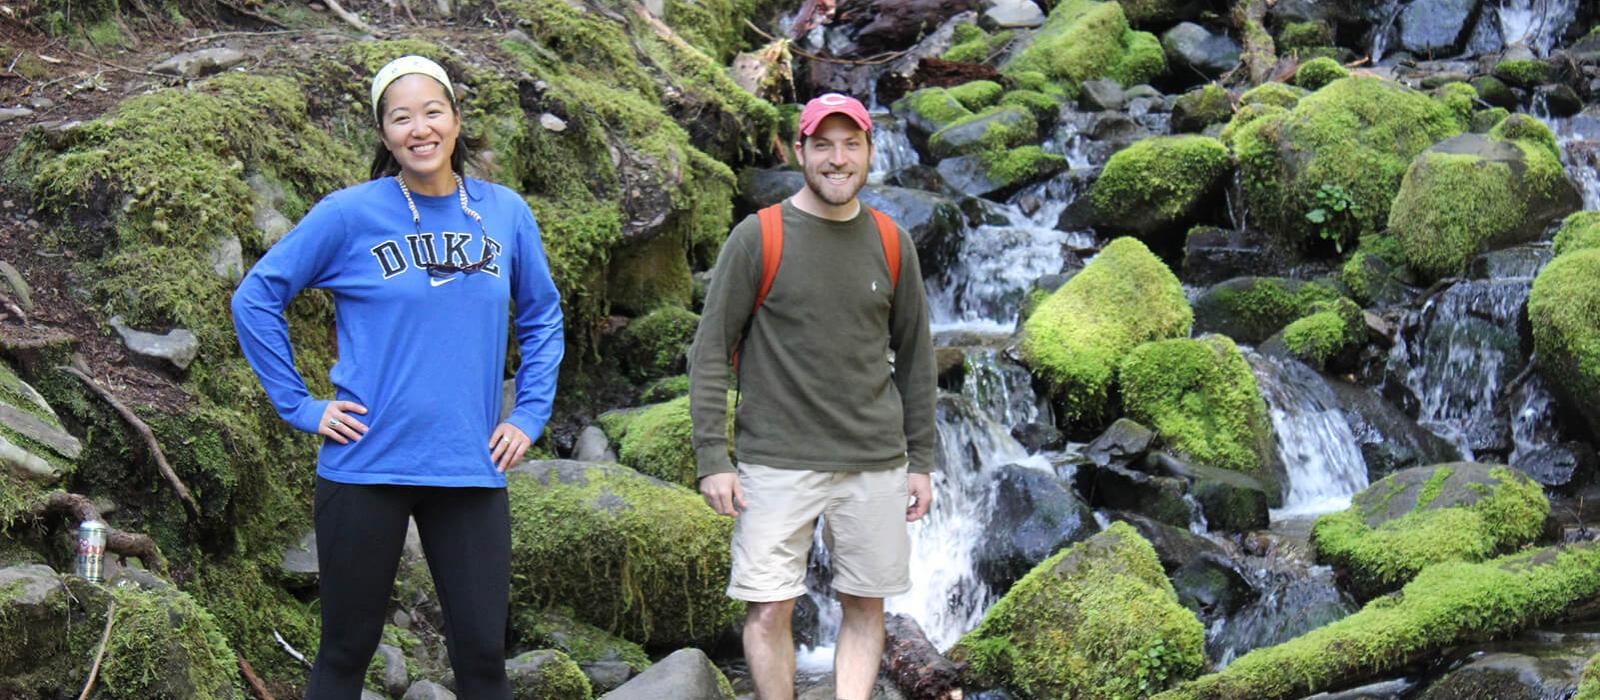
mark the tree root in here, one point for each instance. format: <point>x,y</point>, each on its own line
<point>122,544</point>
<point>144,431</point>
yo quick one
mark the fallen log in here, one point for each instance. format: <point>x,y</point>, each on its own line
<point>918,669</point>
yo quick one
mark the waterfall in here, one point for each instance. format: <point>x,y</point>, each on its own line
<point>1323,463</point>
<point>1579,138</point>
<point>891,149</point>
<point>1536,24</point>
<point>1387,13</point>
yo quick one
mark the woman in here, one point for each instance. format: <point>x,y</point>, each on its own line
<point>422,262</point>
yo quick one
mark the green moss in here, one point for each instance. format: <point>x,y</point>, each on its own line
<point>973,45</point>
<point>1098,619</point>
<point>935,107</point>
<point>1045,109</point>
<point>1564,311</point>
<point>557,677</point>
<point>1251,309</point>
<point>1579,231</point>
<point>1201,398</point>
<point>1305,35</point>
<point>1448,520</point>
<point>1074,341</point>
<point>1355,137</point>
<point>656,442</point>
<point>1274,93</point>
<point>715,27</point>
<point>977,94</point>
<point>1246,114</point>
<point>1035,81</point>
<point>1524,128</point>
<point>1330,328</point>
<point>1589,684</point>
<point>1199,108</point>
<point>1523,72</point>
<point>1004,127</point>
<point>164,645</point>
<point>1486,119</point>
<point>641,559</point>
<point>1318,72</point>
<point>665,389</point>
<point>1448,604</point>
<point>1158,183</point>
<point>556,628</point>
<point>653,344</point>
<point>1084,39</point>
<point>1373,268</point>
<point>1461,98</point>
<point>1018,165</point>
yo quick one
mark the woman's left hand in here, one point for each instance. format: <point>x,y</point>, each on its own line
<point>508,444</point>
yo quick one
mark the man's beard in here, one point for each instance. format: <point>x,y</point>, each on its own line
<point>818,183</point>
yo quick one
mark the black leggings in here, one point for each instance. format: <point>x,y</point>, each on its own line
<point>466,535</point>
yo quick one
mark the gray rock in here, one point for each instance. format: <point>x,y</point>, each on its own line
<point>178,346</point>
<point>1562,465</point>
<point>267,196</point>
<point>1212,255</point>
<point>300,559</point>
<point>1389,439</point>
<point>1511,676</point>
<point>1118,488</point>
<point>1191,46</point>
<point>686,674</point>
<point>395,677</point>
<point>1034,515</point>
<point>41,431</point>
<point>18,287</point>
<point>1144,91</point>
<point>41,103</point>
<point>27,464</point>
<point>1436,26</point>
<point>973,135</point>
<point>428,690</point>
<point>1101,95</point>
<point>605,676</point>
<point>593,446</point>
<point>371,695</point>
<point>656,7</point>
<point>10,113</point>
<point>1206,579</point>
<point>1562,100</point>
<point>528,671</point>
<point>552,122</point>
<point>1012,14</point>
<point>1125,441</point>
<point>227,258</point>
<point>1229,500</point>
<point>196,64</point>
<point>31,585</point>
<point>934,222</point>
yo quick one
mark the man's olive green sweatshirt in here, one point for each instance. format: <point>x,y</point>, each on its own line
<point>837,372</point>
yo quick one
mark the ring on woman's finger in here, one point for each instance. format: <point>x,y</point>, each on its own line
<point>334,423</point>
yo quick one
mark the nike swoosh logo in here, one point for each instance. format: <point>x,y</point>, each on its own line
<point>437,281</point>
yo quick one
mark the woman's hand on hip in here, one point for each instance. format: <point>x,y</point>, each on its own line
<point>339,425</point>
<point>508,444</point>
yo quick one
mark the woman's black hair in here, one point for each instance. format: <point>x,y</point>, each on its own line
<point>384,164</point>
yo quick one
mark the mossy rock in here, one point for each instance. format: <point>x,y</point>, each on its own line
<point>655,441</point>
<point>1580,231</point>
<point>1305,35</point>
<point>1076,338</point>
<point>1589,684</point>
<point>1448,605</point>
<point>1460,511</point>
<point>1083,40</point>
<point>1524,73</point>
<point>651,274</point>
<point>1246,114</point>
<point>1201,397</point>
<point>1342,150</point>
<point>556,628</point>
<point>1251,309</point>
<point>665,389</point>
<point>1461,98</point>
<point>1494,91</point>
<point>1477,192</point>
<point>1331,329</point>
<point>632,555</point>
<point>1564,312</point>
<point>978,94</point>
<point>547,674</point>
<point>1317,72</point>
<point>1199,108</point>
<point>1485,120</point>
<point>1158,185</point>
<point>1274,93</point>
<point>1096,620</point>
<point>970,44</point>
<point>652,346</point>
<point>1375,273</point>
<point>1046,110</point>
<point>993,129</point>
<point>931,109</point>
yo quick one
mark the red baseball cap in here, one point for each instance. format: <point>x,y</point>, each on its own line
<point>833,103</point>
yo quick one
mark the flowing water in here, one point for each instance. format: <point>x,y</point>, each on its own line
<point>1319,452</point>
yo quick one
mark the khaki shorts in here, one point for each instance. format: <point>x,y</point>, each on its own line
<point>864,528</point>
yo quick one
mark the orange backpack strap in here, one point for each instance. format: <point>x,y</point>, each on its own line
<point>889,235</point>
<point>771,250</point>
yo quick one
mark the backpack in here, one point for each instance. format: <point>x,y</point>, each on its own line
<point>772,254</point>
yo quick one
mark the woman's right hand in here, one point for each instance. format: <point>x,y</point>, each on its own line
<point>337,423</point>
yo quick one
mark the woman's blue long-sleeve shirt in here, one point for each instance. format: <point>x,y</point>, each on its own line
<point>424,354</point>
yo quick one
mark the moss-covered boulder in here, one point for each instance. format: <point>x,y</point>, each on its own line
<point>1201,107</point>
<point>969,43</point>
<point>1484,120</point>
<point>1246,114</point>
<point>632,555</point>
<point>1579,231</point>
<point>653,345</point>
<point>1460,511</point>
<point>1096,620</point>
<point>1201,398</point>
<point>1317,72</point>
<point>930,109</point>
<point>1448,605</point>
<point>1002,170</point>
<point>1274,93</point>
<point>1331,329</point>
<point>655,440</point>
<point>1589,684</point>
<point>163,644</point>
<point>1251,309</point>
<point>1376,272</point>
<point>996,128</point>
<point>1524,73</point>
<point>1074,341</point>
<point>583,643</point>
<point>1475,192</point>
<point>1086,39</point>
<point>1494,91</point>
<point>1159,185</point>
<point>546,674</point>
<point>1341,152</point>
<point>978,94</point>
<point>1046,110</point>
<point>1564,311</point>
<point>36,451</point>
<point>1305,35</point>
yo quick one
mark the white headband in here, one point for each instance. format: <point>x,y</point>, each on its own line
<point>403,66</point>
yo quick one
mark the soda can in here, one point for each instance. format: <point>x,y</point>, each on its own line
<point>92,550</point>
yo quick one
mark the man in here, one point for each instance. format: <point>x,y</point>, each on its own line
<point>827,424</point>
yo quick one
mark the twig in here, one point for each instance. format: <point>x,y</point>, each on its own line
<point>349,17</point>
<point>122,544</point>
<point>869,61</point>
<point>144,431</point>
<point>105,638</point>
<point>254,681</point>
<point>285,644</point>
<point>223,35</point>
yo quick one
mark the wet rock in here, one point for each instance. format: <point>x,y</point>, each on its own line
<point>1005,127</point>
<point>1125,441</point>
<point>1389,439</point>
<point>1037,436</point>
<point>593,446</point>
<point>686,674</point>
<point>1563,465</point>
<point>1193,47</point>
<point>1012,14</point>
<point>1561,99</point>
<point>1205,578</point>
<point>1200,108</point>
<point>878,26</point>
<point>10,113</point>
<point>1157,497</point>
<point>1436,26</point>
<point>1494,92</point>
<point>197,64</point>
<point>918,177</point>
<point>394,677</point>
<point>605,676</point>
<point>1229,500</point>
<point>428,690</point>
<point>1101,95</point>
<point>227,258</point>
<point>1117,130</point>
<point>1034,515</point>
<point>178,346</point>
<point>1510,676</point>
<point>1251,309</point>
<point>934,222</point>
<point>1212,255</point>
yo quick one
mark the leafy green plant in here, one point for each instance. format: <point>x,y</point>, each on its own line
<point>1333,205</point>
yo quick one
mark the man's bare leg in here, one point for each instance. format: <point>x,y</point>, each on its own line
<point>769,648</point>
<point>860,647</point>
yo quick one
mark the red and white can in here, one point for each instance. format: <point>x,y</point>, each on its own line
<point>92,550</point>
